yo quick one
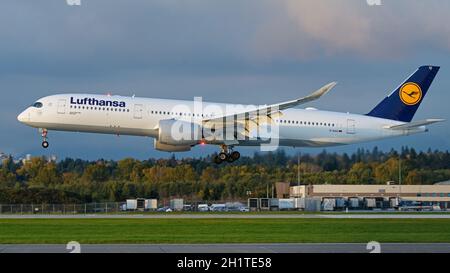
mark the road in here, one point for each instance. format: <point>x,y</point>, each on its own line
<point>227,216</point>
<point>231,248</point>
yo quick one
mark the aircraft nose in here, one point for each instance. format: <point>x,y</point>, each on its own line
<point>22,117</point>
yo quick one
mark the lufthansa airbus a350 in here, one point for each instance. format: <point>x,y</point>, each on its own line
<point>231,125</point>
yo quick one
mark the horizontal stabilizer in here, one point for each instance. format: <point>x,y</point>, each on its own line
<point>414,124</point>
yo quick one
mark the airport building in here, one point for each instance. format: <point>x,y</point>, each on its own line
<point>376,196</point>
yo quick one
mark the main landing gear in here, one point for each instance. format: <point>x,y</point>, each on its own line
<point>44,137</point>
<point>226,155</point>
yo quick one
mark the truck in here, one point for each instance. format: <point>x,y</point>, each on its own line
<point>141,204</point>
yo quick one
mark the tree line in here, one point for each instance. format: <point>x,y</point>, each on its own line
<point>78,181</point>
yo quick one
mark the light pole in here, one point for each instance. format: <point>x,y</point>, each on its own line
<point>400,172</point>
<point>298,169</point>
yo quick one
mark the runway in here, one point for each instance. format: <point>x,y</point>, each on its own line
<point>231,248</point>
<point>228,216</point>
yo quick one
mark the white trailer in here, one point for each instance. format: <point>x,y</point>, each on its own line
<point>328,204</point>
<point>286,204</point>
<point>131,204</point>
<point>299,203</point>
<point>151,204</point>
<point>371,203</point>
<point>177,204</point>
<point>353,202</point>
<point>394,202</point>
<point>313,204</point>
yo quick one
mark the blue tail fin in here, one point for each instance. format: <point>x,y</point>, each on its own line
<point>403,102</point>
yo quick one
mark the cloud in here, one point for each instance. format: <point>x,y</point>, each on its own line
<point>305,29</point>
<point>104,36</point>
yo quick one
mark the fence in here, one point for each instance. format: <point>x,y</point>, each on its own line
<point>93,208</point>
<point>110,207</point>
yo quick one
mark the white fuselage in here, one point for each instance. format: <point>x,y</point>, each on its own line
<point>141,117</point>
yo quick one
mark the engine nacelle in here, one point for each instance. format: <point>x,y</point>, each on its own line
<point>179,133</point>
<point>170,148</point>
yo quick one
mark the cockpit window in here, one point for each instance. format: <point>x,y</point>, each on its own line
<point>37,104</point>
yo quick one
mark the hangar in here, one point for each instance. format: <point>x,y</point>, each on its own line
<point>376,196</point>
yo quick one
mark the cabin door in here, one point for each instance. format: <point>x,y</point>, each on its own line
<point>61,106</point>
<point>138,110</point>
<point>351,127</point>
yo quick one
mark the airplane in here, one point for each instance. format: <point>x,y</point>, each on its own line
<point>214,124</point>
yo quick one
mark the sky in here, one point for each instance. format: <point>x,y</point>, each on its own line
<point>253,51</point>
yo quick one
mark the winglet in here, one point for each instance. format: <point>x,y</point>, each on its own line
<point>322,91</point>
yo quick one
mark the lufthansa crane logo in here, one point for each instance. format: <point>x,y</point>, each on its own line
<point>410,93</point>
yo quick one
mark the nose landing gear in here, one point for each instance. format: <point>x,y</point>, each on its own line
<point>226,154</point>
<point>45,143</point>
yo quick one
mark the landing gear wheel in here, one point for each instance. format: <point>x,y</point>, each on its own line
<point>44,134</point>
<point>217,160</point>
<point>223,156</point>
<point>226,154</point>
<point>235,155</point>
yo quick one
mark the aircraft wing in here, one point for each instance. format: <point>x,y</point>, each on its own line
<point>414,124</point>
<point>266,112</point>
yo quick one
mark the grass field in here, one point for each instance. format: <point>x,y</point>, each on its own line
<point>40,231</point>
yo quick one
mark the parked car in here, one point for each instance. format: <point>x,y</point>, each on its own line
<point>244,209</point>
<point>436,208</point>
<point>203,207</point>
<point>164,209</point>
<point>218,207</point>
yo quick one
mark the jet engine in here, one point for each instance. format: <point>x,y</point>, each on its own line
<point>179,133</point>
<point>171,148</point>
